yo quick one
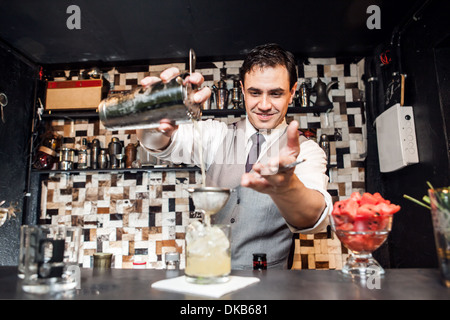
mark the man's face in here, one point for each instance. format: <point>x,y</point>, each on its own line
<point>267,96</point>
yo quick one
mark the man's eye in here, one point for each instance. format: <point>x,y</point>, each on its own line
<point>276,94</point>
<point>254,93</point>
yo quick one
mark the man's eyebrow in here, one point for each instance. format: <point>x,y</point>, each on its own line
<point>275,90</point>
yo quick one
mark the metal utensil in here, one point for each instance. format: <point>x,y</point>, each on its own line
<point>210,199</point>
<point>3,103</point>
<point>269,171</point>
<point>290,165</point>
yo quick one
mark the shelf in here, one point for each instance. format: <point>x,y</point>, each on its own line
<point>120,170</point>
<point>70,114</point>
<point>93,114</point>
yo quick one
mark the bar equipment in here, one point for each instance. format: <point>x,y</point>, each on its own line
<point>208,250</point>
<point>95,152</point>
<point>146,106</point>
<point>236,94</point>
<point>321,90</point>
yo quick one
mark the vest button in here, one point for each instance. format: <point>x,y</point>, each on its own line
<point>232,220</point>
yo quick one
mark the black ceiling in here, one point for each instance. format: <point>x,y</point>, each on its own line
<point>114,31</point>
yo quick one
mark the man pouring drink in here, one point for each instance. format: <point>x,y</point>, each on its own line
<point>269,203</point>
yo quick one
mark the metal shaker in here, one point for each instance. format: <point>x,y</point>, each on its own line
<point>304,95</point>
<point>114,148</point>
<point>103,159</point>
<point>325,145</point>
<point>145,107</point>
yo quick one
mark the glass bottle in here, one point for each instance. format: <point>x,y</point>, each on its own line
<point>259,261</point>
<point>46,155</point>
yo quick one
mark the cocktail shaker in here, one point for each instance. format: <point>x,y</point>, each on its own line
<point>114,148</point>
<point>146,106</point>
<point>95,152</point>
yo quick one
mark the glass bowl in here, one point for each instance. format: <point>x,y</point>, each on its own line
<point>362,235</point>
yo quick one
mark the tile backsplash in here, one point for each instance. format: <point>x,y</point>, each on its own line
<point>138,216</point>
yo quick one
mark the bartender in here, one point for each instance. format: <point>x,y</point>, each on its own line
<point>268,203</point>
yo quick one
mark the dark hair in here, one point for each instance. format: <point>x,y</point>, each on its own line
<point>270,55</point>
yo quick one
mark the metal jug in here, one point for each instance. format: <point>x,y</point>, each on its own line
<point>321,90</point>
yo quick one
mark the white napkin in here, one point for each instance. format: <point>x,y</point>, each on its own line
<point>179,284</point>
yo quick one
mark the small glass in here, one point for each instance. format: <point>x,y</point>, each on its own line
<point>440,212</point>
<point>49,258</point>
<point>208,253</point>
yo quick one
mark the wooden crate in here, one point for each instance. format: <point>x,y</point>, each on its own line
<point>76,94</point>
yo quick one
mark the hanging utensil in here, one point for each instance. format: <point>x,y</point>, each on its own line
<point>3,103</point>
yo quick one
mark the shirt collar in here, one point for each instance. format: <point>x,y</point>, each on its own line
<point>269,135</point>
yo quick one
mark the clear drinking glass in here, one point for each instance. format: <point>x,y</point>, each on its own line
<point>208,253</point>
<point>440,212</point>
<point>49,258</point>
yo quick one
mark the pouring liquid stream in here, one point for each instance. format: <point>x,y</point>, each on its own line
<point>198,130</point>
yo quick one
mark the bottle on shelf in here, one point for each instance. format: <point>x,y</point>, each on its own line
<point>46,155</point>
<point>82,155</point>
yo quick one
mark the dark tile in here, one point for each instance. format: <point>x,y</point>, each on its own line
<point>81,133</point>
<point>306,243</point>
<point>51,212</point>
<point>178,218</point>
<point>115,217</point>
<point>168,188</point>
<point>340,156</point>
<point>151,219</point>
<point>358,184</point>
<point>304,259</point>
<point>154,209</point>
<point>320,71</point>
<point>131,81</point>
<point>79,185</point>
<point>351,120</point>
<point>141,251</point>
<point>171,204</point>
<point>352,129</point>
<point>347,72</point>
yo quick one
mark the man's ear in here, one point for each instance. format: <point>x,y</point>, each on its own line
<point>292,92</point>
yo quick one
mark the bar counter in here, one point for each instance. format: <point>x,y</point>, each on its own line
<point>135,284</point>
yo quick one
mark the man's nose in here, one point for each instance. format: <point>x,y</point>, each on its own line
<point>265,103</point>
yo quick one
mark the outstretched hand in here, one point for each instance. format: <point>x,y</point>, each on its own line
<point>265,178</point>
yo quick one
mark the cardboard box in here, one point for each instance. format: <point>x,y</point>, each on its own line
<point>77,94</point>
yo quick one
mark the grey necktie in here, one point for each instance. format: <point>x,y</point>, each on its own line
<point>257,141</point>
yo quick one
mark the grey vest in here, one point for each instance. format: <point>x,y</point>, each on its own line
<point>256,223</point>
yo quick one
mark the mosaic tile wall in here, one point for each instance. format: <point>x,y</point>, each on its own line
<point>140,216</point>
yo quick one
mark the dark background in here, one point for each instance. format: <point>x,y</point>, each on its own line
<point>33,34</point>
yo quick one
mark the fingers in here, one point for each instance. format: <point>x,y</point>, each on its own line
<point>169,74</point>
<point>165,76</point>
<point>148,81</point>
<point>167,127</point>
<point>202,95</point>
<point>293,144</point>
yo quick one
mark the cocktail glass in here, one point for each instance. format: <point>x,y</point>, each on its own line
<point>440,212</point>
<point>208,250</point>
